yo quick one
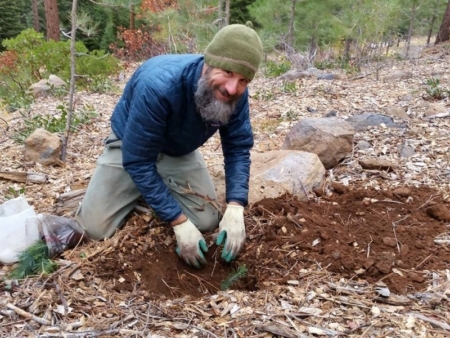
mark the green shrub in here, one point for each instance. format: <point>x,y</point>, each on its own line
<point>274,69</point>
<point>54,124</point>
<point>14,192</point>
<point>30,58</point>
<point>339,63</point>
<point>95,69</point>
<point>289,87</point>
<point>435,90</point>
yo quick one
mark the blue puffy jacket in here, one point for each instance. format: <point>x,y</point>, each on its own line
<point>157,114</point>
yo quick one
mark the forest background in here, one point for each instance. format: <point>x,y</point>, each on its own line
<point>35,35</point>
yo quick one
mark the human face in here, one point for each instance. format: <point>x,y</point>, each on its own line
<point>227,85</point>
<point>213,100</point>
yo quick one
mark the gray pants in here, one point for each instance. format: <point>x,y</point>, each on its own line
<point>112,195</point>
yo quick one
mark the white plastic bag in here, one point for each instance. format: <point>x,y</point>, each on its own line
<point>15,234</point>
<point>20,228</point>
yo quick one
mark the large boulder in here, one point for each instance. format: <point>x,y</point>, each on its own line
<point>277,172</point>
<point>45,85</point>
<point>330,138</point>
<point>43,147</point>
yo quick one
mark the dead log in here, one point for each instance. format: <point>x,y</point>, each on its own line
<point>24,177</point>
<point>69,202</point>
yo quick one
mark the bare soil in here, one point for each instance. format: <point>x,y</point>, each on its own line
<point>358,234</point>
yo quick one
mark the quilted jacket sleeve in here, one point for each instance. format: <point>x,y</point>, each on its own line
<point>142,142</point>
<point>237,140</point>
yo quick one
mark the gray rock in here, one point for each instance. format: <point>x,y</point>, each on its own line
<point>45,85</point>
<point>293,74</point>
<point>330,138</point>
<point>397,76</point>
<point>363,145</point>
<point>365,120</point>
<point>331,113</point>
<point>327,77</point>
<point>377,164</point>
<point>406,151</point>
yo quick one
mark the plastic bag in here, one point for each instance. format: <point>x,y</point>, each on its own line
<point>59,233</point>
<point>20,228</point>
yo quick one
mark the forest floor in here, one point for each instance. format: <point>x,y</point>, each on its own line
<point>371,259</point>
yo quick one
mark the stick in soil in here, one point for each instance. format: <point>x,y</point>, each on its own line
<point>395,236</point>
<point>368,246</point>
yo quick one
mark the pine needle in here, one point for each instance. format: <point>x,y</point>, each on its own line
<point>33,261</point>
<point>234,277</point>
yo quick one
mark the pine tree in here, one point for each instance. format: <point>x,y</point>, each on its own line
<point>239,11</point>
<point>12,19</point>
<point>444,30</point>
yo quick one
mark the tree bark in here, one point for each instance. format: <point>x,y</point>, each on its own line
<point>430,31</point>
<point>444,30</point>
<point>52,19</point>
<point>220,14</point>
<point>227,12</point>
<point>36,24</point>
<point>411,26</point>
<point>290,37</point>
<point>65,138</point>
<point>347,47</point>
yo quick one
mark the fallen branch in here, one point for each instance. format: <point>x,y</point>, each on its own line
<point>435,116</point>
<point>27,315</point>
<point>24,177</point>
<point>432,321</point>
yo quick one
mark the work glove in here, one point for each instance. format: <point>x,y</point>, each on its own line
<point>190,244</point>
<point>232,231</point>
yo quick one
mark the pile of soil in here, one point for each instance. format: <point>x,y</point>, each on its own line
<point>360,235</point>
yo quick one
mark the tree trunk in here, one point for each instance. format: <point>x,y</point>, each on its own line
<point>430,31</point>
<point>347,47</point>
<point>227,12</point>
<point>444,30</point>
<point>132,17</point>
<point>220,14</point>
<point>36,24</point>
<point>411,26</point>
<point>65,138</point>
<point>52,19</point>
<point>312,49</point>
<point>290,37</point>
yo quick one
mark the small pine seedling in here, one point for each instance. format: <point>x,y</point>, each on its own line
<point>240,273</point>
<point>33,261</point>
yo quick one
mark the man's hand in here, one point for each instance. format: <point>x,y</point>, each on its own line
<point>232,231</point>
<point>191,244</point>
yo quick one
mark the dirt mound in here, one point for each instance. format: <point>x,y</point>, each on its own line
<point>360,234</point>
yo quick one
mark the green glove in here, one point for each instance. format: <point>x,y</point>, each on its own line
<point>190,244</point>
<point>232,232</point>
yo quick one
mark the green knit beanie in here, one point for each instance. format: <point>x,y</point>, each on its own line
<point>236,48</point>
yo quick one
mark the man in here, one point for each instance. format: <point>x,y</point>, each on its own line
<point>170,107</point>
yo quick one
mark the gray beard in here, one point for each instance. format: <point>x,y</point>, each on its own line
<point>210,108</point>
